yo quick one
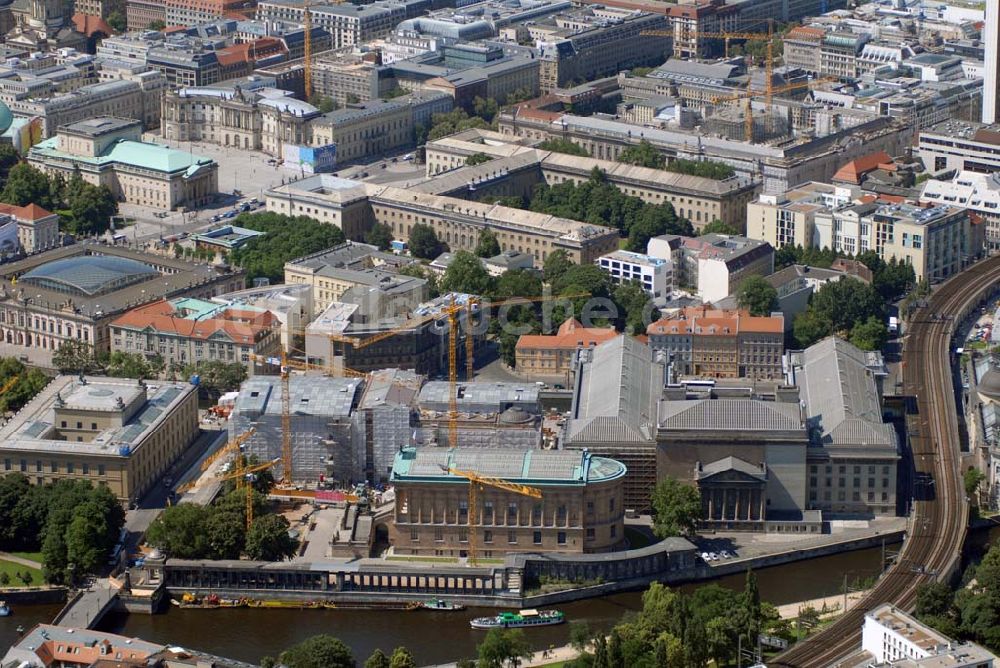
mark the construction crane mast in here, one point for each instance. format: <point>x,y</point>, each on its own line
<point>244,476</point>
<point>286,421</point>
<point>476,483</point>
<point>308,51</point>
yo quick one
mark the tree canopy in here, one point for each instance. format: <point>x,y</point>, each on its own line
<point>26,383</point>
<point>757,296</point>
<point>467,274</point>
<point>502,648</point>
<point>268,539</point>
<point>676,508</point>
<point>322,651</point>
<point>456,120</point>
<point>69,521</point>
<point>477,159</point>
<point>837,307</point>
<point>380,235</point>
<point>719,227</point>
<point>424,242</point>
<point>708,169</point>
<point>599,202</point>
<point>560,145</point>
<point>643,154</point>
<point>487,244</point>
<point>26,185</point>
<point>284,238</point>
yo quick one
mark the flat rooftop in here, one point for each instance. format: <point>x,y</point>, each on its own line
<point>33,428</point>
<point>532,467</point>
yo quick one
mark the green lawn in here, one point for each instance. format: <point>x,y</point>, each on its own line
<point>32,556</point>
<point>557,664</point>
<point>449,560</point>
<point>12,569</point>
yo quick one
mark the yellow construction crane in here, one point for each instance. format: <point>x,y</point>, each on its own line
<point>244,476</point>
<point>286,422</point>
<point>233,445</point>
<point>749,93</point>
<point>476,482</point>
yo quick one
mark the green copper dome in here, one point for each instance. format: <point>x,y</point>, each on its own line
<point>6,117</point>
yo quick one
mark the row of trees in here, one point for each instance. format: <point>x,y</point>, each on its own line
<point>890,279</point>
<point>73,523</point>
<point>285,238</point>
<point>674,630</point>
<point>83,208</point>
<point>645,154</point>
<point>600,202</point>
<point>972,612</point>
<point>191,531</point>
<point>24,383</point>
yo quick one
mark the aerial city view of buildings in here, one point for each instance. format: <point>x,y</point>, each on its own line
<point>405,328</point>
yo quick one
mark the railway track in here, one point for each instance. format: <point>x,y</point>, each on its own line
<point>937,526</point>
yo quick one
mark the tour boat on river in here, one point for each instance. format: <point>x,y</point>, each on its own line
<point>512,620</point>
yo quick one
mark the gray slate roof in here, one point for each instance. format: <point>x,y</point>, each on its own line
<point>618,391</point>
<point>729,415</point>
<point>731,464</point>
<point>841,397</point>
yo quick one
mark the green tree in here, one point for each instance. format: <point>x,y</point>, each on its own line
<point>708,169</point>
<point>566,146</point>
<point>216,377</point>
<point>401,658</point>
<point>180,531</point>
<point>323,103</point>
<point>971,480</point>
<point>751,609</point>
<point>676,508</point>
<point>83,549</point>
<point>643,154</point>
<point>322,651</point>
<point>466,273</point>
<point>635,308</point>
<point>134,365</point>
<point>502,648</point>
<point>420,271</point>
<point>616,657</point>
<point>284,238</point>
<point>8,158</point>
<point>556,264</point>
<point>487,244</point>
<point>719,227</point>
<point>27,185</point>
<point>268,539</point>
<point>380,235</point>
<point>225,535</point>
<point>4,579</point>
<point>377,660</point>
<point>934,599</point>
<point>117,21</point>
<point>477,159</point>
<point>424,242</point>
<point>870,334</point>
<point>758,296</point>
<point>809,327</point>
<point>156,24</point>
<point>485,108</point>
<point>456,120</point>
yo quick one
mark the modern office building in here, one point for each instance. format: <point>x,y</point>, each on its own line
<point>581,508</point>
<point>714,264</point>
<point>975,191</point>
<point>554,356</point>
<point>956,145</point>
<point>891,637</point>
<point>700,341</point>
<point>789,218</point>
<point>187,331</point>
<point>109,152</point>
<point>123,433</point>
<point>654,274</point>
<point>75,292</point>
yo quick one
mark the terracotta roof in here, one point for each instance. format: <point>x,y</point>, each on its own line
<point>806,31</point>
<point>89,25</point>
<point>29,212</point>
<point>571,335</point>
<point>855,169</point>
<point>242,326</point>
<point>249,51</point>
<point>715,322</point>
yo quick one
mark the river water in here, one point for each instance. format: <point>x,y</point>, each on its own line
<point>433,637</point>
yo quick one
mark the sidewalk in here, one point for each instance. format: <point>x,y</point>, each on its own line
<point>7,556</point>
<point>833,604</point>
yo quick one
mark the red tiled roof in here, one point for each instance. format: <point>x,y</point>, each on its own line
<point>708,321</point>
<point>29,212</point>
<point>855,169</point>
<point>806,31</point>
<point>89,25</point>
<point>571,335</point>
<point>241,326</point>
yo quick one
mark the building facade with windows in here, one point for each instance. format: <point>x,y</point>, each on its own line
<point>73,293</point>
<point>37,229</point>
<point>554,356</point>
<point>123,433</point>
<point>654,274</point>
<point>581,507</point>
<point>187,331</point>
<point>700,341</point>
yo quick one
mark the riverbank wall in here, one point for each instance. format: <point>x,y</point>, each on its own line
<point>515,584</point>
<point>33,595</point>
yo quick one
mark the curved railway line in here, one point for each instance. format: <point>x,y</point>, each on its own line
<point>937,526</point>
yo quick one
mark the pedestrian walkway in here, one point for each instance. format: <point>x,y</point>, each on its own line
<point>831,604</point>
<point>7,556</point>
<point>87,610</point>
